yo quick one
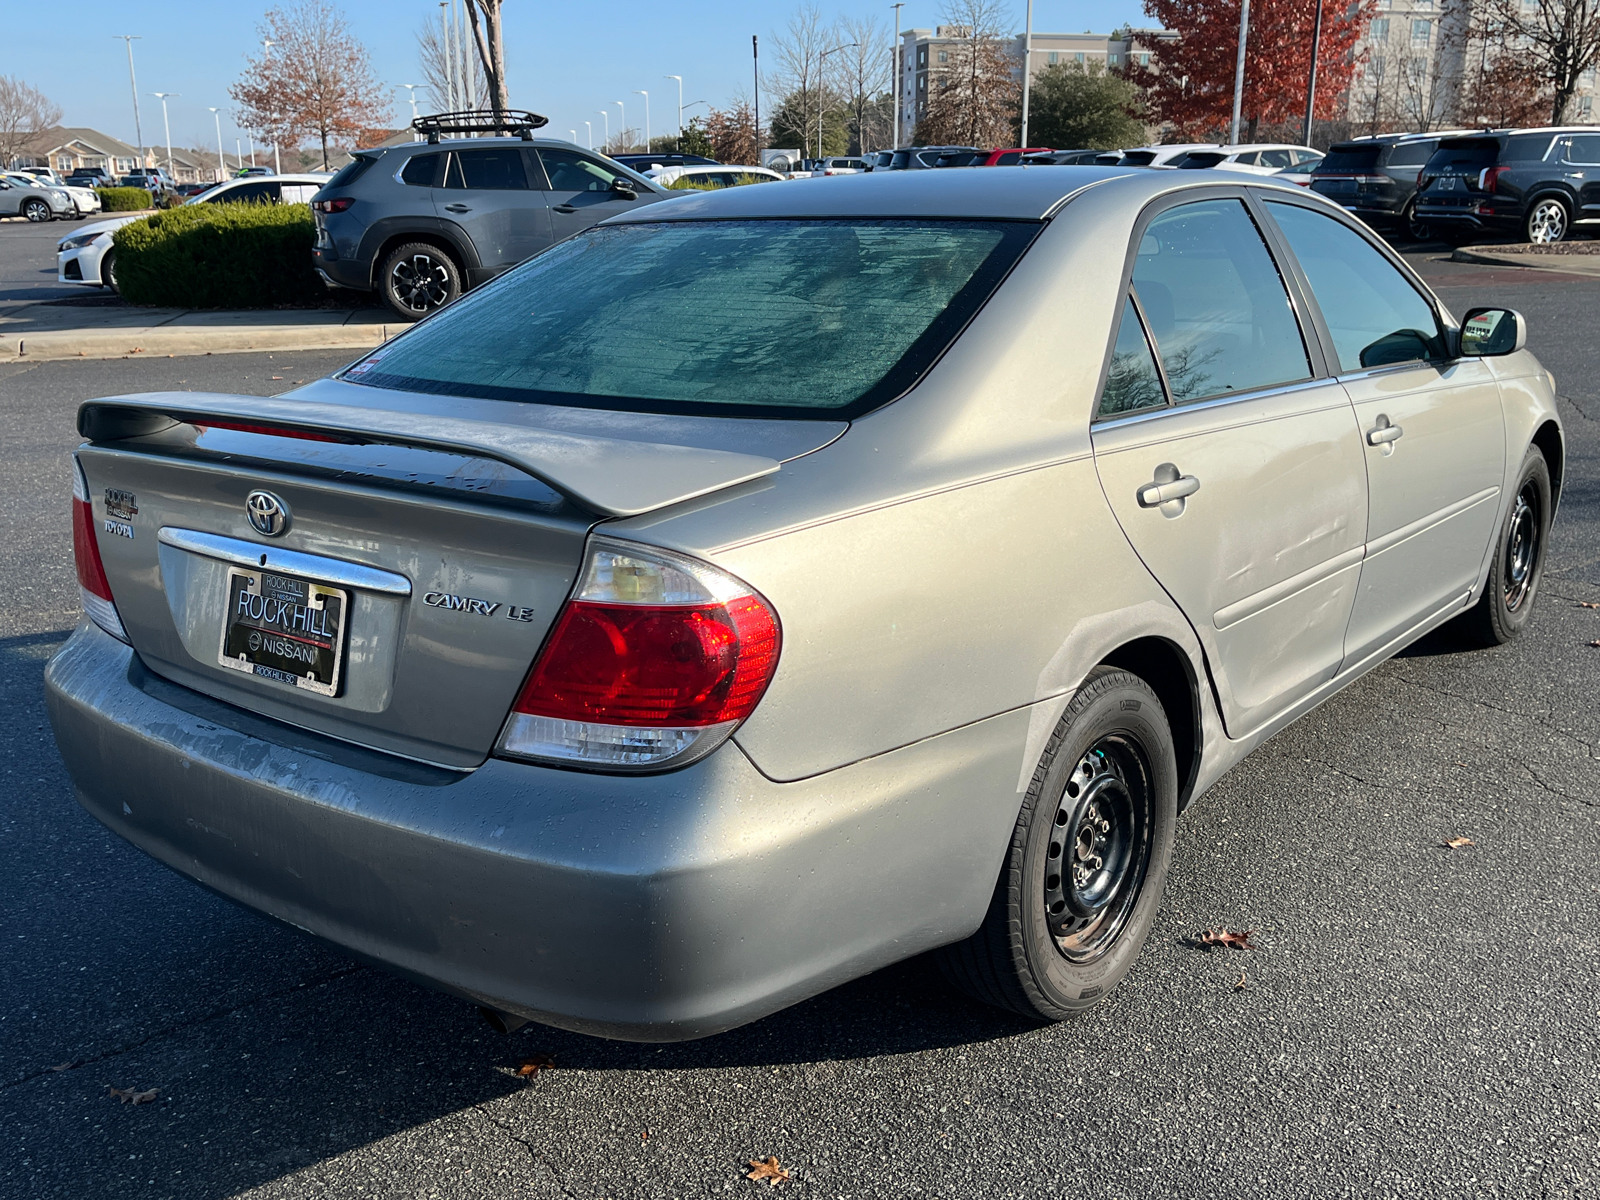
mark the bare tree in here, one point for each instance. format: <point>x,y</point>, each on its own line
<point>25,113</point>
<point>974,101</point>
<point>491,49</point>
<point>435,49</point>
<point>1558,39</point>
<point>317,82</point>
<point>863,76</point>
<point>799,52</point>
<point>1421,94</point>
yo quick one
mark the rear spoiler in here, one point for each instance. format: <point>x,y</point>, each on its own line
<point>609,476</point>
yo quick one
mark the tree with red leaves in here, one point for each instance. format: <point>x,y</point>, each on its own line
<point>1189,83</point>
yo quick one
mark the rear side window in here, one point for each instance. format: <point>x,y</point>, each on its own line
<point>1464,154</point>
<point>1133,382</point>
<point>495,170</point>
<point>351,171</point>
<point>1374,314</point>
<point>697,316</point>
<point>1526,149</point>
<point>250,193</point>
<point>1344,160</point>
<point>422,170</point>
<point>1218,310</point>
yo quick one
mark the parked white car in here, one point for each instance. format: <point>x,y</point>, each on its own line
<point>87,257</point>
<point>714,175</point>
<point>1157,156</point>
<point>24,196</point>
<point>841,166</point>
<point>1261,158</point>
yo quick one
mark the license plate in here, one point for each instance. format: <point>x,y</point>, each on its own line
<point>284,628</point>
<point>1449,183</point>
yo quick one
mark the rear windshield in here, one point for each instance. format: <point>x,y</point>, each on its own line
<point>1464,154</point>
<point>712,316</point>
<point>351,171</point>
<point>1197,159</point>
<point>1347,159</point>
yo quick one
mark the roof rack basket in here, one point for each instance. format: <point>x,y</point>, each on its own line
<point>479,121</point>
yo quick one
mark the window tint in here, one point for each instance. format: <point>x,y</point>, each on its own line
<point>697,315</point>
<point>1469,154</point>
<point>1217,308</point>
<point>352,171</point>
<point>1585,149</point>
<point>1132,382</point>
<point>422,170</point>
<point>499,170</point>
<point>250,193</point>
<point>1351,159</point>
<point>1277,158</point>
<point>571,172</point>
<point>1412,154</point>
<point>1008,159</point>
<point>1375,316</point>
<point>1526,149</point>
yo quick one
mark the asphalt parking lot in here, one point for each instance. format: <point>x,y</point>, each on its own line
<point>1416,1021</point>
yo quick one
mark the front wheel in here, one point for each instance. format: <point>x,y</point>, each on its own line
<point>1088,859</point>
<point>108,272</point>
<point>1502,612</point>
<point>1547,222</point>
<point>417,279</point>
<point>36,211</point>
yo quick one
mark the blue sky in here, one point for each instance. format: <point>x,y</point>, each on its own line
<point>566,60</point>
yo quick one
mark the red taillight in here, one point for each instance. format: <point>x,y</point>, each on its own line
<point>675,665</point>
<point>94,589</point>
<point>333,206</point>
<point>273,431</point>
<point>653,662</point>
<point>1489,177</point>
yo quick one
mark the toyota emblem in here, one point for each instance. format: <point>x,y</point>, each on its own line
<point>268,514</point>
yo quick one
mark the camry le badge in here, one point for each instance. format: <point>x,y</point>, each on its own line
<point>269,515</point>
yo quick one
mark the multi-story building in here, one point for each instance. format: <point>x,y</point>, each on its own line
<point>923,52</point>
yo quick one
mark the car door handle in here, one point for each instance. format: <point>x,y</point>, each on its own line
<point>1383,433</point>
<point>1167,487</point>
<point>457,208</point>
<point>565,208</point>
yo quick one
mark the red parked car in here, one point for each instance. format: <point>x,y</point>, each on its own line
<point>1009,158</point>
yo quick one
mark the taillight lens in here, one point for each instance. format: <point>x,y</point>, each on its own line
<point>653,663</point>
<point>333,206</point>
<point>1489,176</point>
<point>93,587</point>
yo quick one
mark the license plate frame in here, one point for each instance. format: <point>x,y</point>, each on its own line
<point>274,622</point>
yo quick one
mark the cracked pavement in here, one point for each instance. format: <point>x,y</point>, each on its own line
<point>1417,1020</point>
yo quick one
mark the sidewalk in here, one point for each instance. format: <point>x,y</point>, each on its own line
<point>41,332</point>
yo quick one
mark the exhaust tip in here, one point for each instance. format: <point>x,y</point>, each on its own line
<point>503,1022</point>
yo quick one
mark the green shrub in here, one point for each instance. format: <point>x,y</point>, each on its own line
<point>698,183</point>
<point>116,199</point>
<point>220,256</point>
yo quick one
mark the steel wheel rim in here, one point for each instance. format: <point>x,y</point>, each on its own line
<point>1549,222</point>
<point>1522,547</point>
<point>420,282</point>
<point>1099,852</point>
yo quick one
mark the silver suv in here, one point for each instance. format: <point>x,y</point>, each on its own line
<point>424,221</point>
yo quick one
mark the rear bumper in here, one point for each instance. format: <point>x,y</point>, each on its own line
<point>340,272</point>
<point>653,908</point>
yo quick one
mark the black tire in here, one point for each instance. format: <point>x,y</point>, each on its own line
<point>418,278</point>
<point>37,211</point>
<point>1040,950</point>
<point>108,271</point>
<point>1548,221</point>
<point>1503,611</point>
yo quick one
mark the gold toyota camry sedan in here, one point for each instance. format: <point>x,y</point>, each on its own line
<point>771,584</point>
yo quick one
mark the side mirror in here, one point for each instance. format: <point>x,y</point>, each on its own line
<point>624,189</point>
<point>1491,332</point>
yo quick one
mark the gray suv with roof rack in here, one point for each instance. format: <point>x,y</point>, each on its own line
<point>422,222</point>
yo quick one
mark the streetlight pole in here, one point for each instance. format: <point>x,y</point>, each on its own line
<point>250,140</point>
<point>449,55</point>
<point>822,63</point>
<point>755,70</point>
<point>277,161</point>
<point>133,84</point>
<point>679,78</point>
<point>238,152</point>
<point>412,95</point>
<point>589,128</point>
<point>165,124</point>
<point>646,95</point>
<point>895,74</point>
<point>222,165</point>
<point>605,139</point>
<point>1311,85</point>
<point>1238,72</point>
<point>1027,62</point>
<point>622,130</point>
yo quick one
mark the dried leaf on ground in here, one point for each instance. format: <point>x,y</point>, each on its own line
<point>1227,938</point>
<point>66,1066</point>
<point>1456,843</point>
<point>1239,987</point>
<point>1597,643</point>
<point>532,1066</point>
<point>767,1169</point>
<point>134,1096</point>
<point>1588,604</point>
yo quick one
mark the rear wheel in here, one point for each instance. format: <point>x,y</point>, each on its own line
<point>36,211</point>
<point>417,279</point>
<point>1547,221</point>
<point>1088,858</point>
<point>1518,565</point>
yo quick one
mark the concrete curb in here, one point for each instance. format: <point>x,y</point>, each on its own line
<point>1564,263</point>
<point>172,340</point>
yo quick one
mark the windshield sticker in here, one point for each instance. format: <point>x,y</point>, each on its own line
<point>367,363</point>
